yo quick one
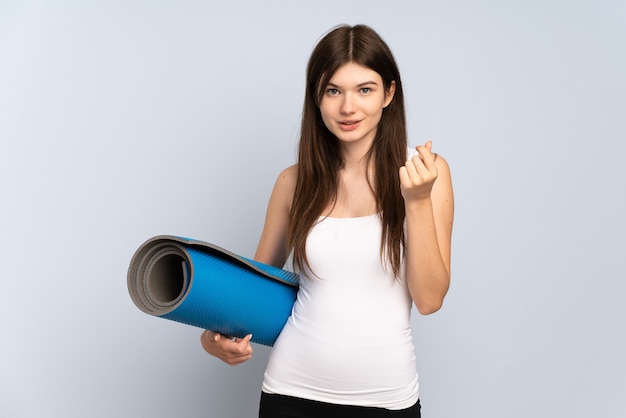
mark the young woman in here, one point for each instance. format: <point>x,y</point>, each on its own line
<point>369,222</point>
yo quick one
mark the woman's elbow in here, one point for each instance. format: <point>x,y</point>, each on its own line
<point>427,308</point>
<point>430,304</point>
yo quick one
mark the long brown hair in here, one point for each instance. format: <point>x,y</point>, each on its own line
<point>319,159</point>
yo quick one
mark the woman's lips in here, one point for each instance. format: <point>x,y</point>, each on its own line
<point>349,125</point>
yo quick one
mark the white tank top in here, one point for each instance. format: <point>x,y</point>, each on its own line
<point>348,339</point>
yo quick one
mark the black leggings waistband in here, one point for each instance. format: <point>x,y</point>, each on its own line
<point>281,406</point>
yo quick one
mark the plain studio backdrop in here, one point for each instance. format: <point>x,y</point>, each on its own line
<point>121,120</point>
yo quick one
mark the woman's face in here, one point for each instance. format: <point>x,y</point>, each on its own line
<point>353,102</point>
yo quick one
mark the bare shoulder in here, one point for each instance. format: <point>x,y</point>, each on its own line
<point>289,175</point>
<point>443,169</point>
<point>441,162</point>
<point>273,242</point>
<point>285,187</point>
<point>286,181</point>
<point>442,193</point>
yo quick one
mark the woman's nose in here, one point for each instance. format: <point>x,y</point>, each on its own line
<point>347,105</point>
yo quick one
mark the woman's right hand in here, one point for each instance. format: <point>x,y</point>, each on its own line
<point>230,351</point>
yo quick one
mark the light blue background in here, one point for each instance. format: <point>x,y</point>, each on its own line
<point>123,120</point>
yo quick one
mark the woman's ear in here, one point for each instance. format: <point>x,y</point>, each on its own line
<point>389,93</point>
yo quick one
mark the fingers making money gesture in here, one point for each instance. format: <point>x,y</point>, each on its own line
<point>418,174</point>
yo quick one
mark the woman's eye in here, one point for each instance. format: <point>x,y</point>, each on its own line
<point>365,90</point>
<point>332,92</point>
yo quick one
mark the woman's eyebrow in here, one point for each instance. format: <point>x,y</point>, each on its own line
<point>331,84</point>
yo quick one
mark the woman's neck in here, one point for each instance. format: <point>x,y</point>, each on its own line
<point>354,157</point>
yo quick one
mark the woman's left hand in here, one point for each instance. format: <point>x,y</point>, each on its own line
<point>418,174</point>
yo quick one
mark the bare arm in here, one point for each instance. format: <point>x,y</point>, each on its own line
<point>271,250</point>
<point>429,202</point>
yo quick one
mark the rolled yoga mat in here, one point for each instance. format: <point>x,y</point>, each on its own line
<point>206,286</point>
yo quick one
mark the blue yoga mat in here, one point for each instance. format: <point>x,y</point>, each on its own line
<point>206,286</point>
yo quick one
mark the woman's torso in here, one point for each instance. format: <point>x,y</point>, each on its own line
<point>348,339</point>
